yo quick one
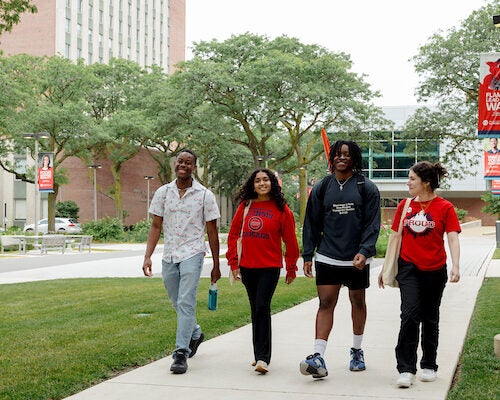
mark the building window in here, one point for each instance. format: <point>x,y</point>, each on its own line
<point>396,157</point>
<point>20,209</point>
<point>67,25</point>
<point>66,50</point>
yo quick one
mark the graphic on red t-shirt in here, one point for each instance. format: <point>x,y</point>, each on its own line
<point>419,224</point>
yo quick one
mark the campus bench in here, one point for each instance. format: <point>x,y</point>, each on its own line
<point>82,242</point>
<point>57,242</point>
<point>9,241</point>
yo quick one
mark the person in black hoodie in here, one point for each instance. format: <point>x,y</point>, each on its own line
<point>341,228</point>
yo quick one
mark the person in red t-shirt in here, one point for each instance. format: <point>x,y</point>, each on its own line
<point>268,222</point>
<point>422,272</point>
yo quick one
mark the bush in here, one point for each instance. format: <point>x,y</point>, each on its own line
<point>492,204</point>
<point>138,232</point>
<point>383,238</point>
<point>67,209</point>
<point>461,214</point>
<point>104,229</point>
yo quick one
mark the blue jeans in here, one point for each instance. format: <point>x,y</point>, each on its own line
<point>181,282</point>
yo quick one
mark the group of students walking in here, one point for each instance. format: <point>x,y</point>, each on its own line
<point>340,233</point>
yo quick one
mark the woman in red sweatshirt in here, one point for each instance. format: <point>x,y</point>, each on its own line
<point>264,220</point>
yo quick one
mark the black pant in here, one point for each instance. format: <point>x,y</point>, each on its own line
<point>260,284</point>
<point>421,293</point>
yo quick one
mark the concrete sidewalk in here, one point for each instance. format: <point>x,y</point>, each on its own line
<point>221,368</point>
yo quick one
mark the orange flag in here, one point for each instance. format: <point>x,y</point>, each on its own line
<point>326,145</point>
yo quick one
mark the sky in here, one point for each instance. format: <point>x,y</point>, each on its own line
<point>381,36</point>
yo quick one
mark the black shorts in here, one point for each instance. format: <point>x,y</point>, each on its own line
<point>349,276</point>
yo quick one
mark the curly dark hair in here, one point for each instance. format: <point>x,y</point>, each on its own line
<point>247,191</point>
<point>354,151</point>
<point>429,172</point>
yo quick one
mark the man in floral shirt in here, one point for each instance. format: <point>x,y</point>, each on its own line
<point>183,208</point>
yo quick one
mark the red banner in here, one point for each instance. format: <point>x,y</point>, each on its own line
<point>488,123</point>
<point>45,172</point>
<point>495,187</point>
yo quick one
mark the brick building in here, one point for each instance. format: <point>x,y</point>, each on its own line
<point>144,31</point>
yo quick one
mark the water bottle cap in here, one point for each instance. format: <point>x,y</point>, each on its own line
<point>213,286</point>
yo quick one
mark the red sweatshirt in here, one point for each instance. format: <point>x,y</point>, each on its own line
<point>265,227</point>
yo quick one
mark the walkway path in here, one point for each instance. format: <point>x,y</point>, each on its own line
<point>221,369</point>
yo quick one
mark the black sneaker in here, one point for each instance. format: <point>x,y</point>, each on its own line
<point>179,366</point>
<point>194,344</point>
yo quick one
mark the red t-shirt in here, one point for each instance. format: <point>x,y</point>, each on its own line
<point>265,227</point>
<point>423,232</point>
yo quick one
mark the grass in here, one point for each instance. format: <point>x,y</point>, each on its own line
<point>60,337</point>
<point>478,369</point>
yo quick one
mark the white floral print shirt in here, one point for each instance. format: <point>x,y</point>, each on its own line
<point>184,219</point>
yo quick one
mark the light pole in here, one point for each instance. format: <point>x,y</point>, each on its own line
<point>95,167</point>
<point>36,136</point>
<point>261,158</point>
<point>148,178</point>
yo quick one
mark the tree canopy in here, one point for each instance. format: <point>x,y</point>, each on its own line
<point>277,95</point>
<point>10,11</point>
<point>448,65</point>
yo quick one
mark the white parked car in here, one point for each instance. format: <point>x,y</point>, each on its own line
<point>63,225</point>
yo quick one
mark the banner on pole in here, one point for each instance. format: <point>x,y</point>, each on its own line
<point>45,172</point>
<point>488,123</point>
<point>495,187</point>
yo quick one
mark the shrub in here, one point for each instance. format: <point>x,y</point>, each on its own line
<point>461,214</point>
<point>138,232</point>
<point>104,229</point>
<point>492,204</point>
<point>67,209</point>
<point>383,238</point>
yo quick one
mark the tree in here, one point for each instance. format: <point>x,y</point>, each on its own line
<point>52,100</point>
<point>118,100</point>
<point>449,67</point>
<point>10,11</point>
<point>279,93</point>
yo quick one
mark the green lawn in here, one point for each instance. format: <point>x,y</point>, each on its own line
<point>60,337</point>
<point>478,369</point>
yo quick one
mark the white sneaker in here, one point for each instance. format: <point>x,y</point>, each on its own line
<point>428,375</point>
<point>405,379</point>
<point>262,367</point>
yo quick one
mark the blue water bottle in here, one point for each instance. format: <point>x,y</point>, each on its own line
<point>212,297</point>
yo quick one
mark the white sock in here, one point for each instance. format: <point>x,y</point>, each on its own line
<point>320,346</point>
<point>356,341</point>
